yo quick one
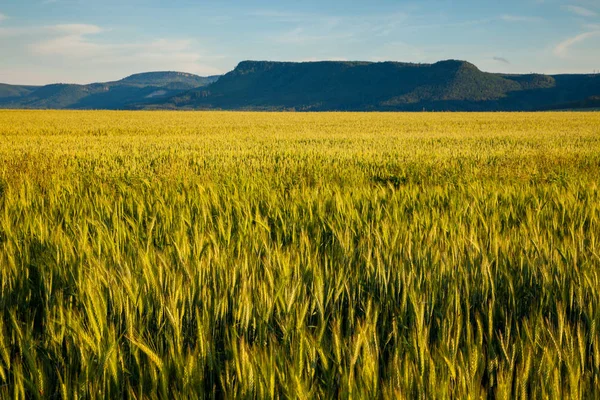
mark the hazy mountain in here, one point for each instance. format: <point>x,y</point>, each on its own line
<point>174,80</point>
<point>388,86</point>
<point>134,90</point>
<point>590,103</point>
<point>322,86</point>
<point>14,91</point>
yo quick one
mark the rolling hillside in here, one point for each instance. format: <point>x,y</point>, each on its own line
<point>123,94</point>
<point>321,86</point>
<point>14,91</point>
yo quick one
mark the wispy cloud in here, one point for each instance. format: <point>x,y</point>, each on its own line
<point>21,31</point>
<point>76,29</point>
<point>328,21</point>
<point>2,17</point>
<point>312,26</point>
<point>85,47</point>
<point>477,22</point>
<point>388,24</point>
<point>50,31</point>
<point>562,49</point>
<point>282,15</point>
<point>519,18</point>
<point>76,43</point>
<point>69,41</point>
<point>303,36</point>
<point>304,28</point>
<point>581,11</point>
<point>501,59</point>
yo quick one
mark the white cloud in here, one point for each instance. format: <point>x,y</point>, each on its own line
<point>77,29</point>
<point>519,18</point>
<point>50,31</point>
<point>562,49</point>
<point>2,17</point>
<point>84,53</point>
<point>581,11</point>
<point>158,54</point>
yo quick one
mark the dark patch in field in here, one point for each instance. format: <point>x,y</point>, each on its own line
<point>390,180</point>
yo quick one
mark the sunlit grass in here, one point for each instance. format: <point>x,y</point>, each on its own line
<point>177,255</point>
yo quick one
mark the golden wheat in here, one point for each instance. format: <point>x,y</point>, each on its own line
<point>266,255</point>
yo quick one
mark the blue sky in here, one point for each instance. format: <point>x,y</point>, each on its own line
<point>81,41</point>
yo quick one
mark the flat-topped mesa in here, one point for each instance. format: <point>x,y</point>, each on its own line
<point>450,85</point>
<point>254,65</point>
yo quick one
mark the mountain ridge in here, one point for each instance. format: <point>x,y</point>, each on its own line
<point>448,85</point>
<point>122,94</point>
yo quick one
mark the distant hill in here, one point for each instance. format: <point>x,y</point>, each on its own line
<point>14,91</point>
<point>590,103</point>
<point>388,86</point>
<point>174,80</point>
<point>134,90</point>
<point>449,85</point>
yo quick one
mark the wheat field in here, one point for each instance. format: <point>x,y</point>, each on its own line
<point>184,255</point>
